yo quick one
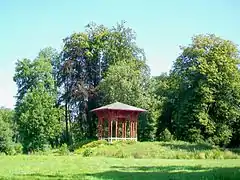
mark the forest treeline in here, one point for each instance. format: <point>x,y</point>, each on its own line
<point>197,101</point>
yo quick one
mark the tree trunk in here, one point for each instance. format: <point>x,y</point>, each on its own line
<point>66,120</point>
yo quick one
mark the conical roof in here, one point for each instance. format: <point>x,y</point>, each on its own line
<point>119,106</point>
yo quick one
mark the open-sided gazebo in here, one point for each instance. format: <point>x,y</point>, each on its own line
<point>116,116</point>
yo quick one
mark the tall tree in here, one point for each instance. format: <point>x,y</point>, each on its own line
<point>164,92</point>
<point>38,122</point>
<point>129,82</point>
<point>207,90</point>
<point>36,115</point>
<point>53,56</point>
<point>85,58</point>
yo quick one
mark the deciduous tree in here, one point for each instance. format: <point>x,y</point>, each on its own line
<point>206,90</point>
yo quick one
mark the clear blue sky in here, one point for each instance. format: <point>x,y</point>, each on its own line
<point>161,26</point>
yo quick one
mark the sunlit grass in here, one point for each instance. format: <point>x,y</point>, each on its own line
<point>77,167</point>
<point>160,150</point>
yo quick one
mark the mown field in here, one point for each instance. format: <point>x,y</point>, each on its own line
<point>126,160</point>
<point>96,168</point>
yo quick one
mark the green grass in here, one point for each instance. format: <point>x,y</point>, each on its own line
<point>160,150</point>
<point>96,168</point>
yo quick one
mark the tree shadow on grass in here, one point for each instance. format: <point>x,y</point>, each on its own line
<point>150,173</point>
<point>170,173</point>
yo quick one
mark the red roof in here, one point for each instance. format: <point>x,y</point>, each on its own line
<point>119,106</point>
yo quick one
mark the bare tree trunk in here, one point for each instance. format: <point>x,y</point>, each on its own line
<point>66,120</point>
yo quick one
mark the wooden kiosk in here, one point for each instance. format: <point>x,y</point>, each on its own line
<point>117,121</point>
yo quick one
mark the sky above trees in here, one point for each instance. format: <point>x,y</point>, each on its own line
<point>161,27</point>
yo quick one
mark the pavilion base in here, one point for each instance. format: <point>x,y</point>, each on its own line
<point>111,139</point>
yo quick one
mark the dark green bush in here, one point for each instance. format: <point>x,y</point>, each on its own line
<point>10,150</point>
<point>194,135</point>
<point>165,135</point>
<point>5,137</point>
<point>18,148</point>
<point>87,152</point>
<point>46,148</point>
<point>223,136</point>
<point>63,150</point>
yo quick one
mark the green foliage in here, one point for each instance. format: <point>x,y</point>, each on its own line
<point>165,135</point>
<point>86,57</point>
<point>6,131</point>
<point>18,148</point>
<point>204,92</point>
<point>38,120</point>
<point>194,135</point>
<point>63,150</point>
<point>197,101</point>
<point>95,144</point>
<point>10,150</point>
<point>5,137</point>
<point>160,150</point>
<point>128,82</point>
<point>87,152</point>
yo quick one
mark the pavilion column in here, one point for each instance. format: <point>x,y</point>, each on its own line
<point>135,128</point>
<point>136,124</point>
<point>124,128</point>
<point>102,127</point>
<point>111,129</point>
<point>131,127</point>
<point>99,125</point>
<point>99,121</point>
<point>109,125</point>
<point>116,128</point>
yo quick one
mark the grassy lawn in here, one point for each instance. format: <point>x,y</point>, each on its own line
<point>159,150</point>
<point>77,167</point>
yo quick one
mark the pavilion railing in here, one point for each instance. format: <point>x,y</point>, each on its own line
<point>110,139</point>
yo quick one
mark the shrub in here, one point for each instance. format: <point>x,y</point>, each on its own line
<point>46,148</point>
<point>217,154</point>
<point>79,151</point>
<point>194,135</point>
<point>79,144</point>
<point>63,150</point>
<point>223,136</point>
<point>5,137</point>
<point>87,152</point>
<point>10,150</point>
<point>94,144</point>
<point>165,135</point>
<point>18,148</point>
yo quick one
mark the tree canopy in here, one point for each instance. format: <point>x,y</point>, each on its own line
<point>197,101</point>
<point>204,91</point>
